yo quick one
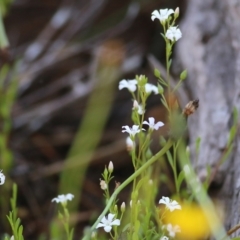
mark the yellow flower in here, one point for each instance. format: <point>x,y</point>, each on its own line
<point>192,222</point>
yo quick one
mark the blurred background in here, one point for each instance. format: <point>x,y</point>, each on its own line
<point>66,59</point>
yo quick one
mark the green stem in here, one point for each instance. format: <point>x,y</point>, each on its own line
<point>126,182</point>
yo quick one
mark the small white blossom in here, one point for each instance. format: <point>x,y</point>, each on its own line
<point>164,238</point>
<point>170,204</point>
<point>152,125</point>
<point>172,230</point>
<point>131,85</point>
<point>2,178</point>
<point>108,222</point>
<point>103,184</point>
<point>162,14</point>
<point>132,130</point>
<point>173,33</point>
<point>63,198</point>
<point>138,107</point>
<point>149,88</point>
<point>130,144</point>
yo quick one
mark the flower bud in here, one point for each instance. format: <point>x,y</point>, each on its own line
<point>176,12</point>
<point>157,73</point>
<point>123,207</point>
<point>110,167</point>
<point>183,75</point>
<point>115,208</point>
<point>93,235</point>
<point>135,104</point>
<point>130,144</point>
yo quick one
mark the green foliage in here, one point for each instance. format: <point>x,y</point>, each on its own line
<point>142,219</point>
<point>14,221</point>
<point>4,6</point>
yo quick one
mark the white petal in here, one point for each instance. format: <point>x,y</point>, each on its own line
<point>110,217</point>
<point>158,125</point>
<point>155,14</point>
<point>164,200</point>
<point>107,228</point>
<point>116,222</point>
<point>2,178</point>
<point>104,220</point>
<point>100,225</point>
<point>151,121</point>
<point>145,122</point>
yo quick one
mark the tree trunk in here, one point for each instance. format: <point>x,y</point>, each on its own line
<point>210,51</point>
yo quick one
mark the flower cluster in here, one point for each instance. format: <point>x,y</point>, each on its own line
<point>63,198</point>
<point>131,85</point>
<point>172,230</point>
<point>143,89</point>
<point>164,15</point>
<point>170,204</point>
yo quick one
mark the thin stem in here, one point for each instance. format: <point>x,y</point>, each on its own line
<point>126,182</point>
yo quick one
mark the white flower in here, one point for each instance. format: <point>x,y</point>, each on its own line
<point>108,222</point>
<point>173,33</point>
<point>131,85</point>
<point>130,144</point>
<point>63,198</point>
<point>172,230</point>
<point>151,88</point>
<point>152,125</point>
<point>164,238</point>
<point>162,14</point>
<point>138,107</point>
<point>132,131</point>
<point>170,204</point>
<point>2,178</point>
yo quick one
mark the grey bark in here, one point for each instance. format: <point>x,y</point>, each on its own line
<point>210,51</point>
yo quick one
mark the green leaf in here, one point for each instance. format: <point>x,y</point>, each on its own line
<point>126,227</point>
<point>183,75</point>
<point>232,134</point>
<point>20,232</point>
<point>170,63</point>
<point>197,143</point>
<point>164,103</point>
<point>180,178</point>
<point>157,73</point>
